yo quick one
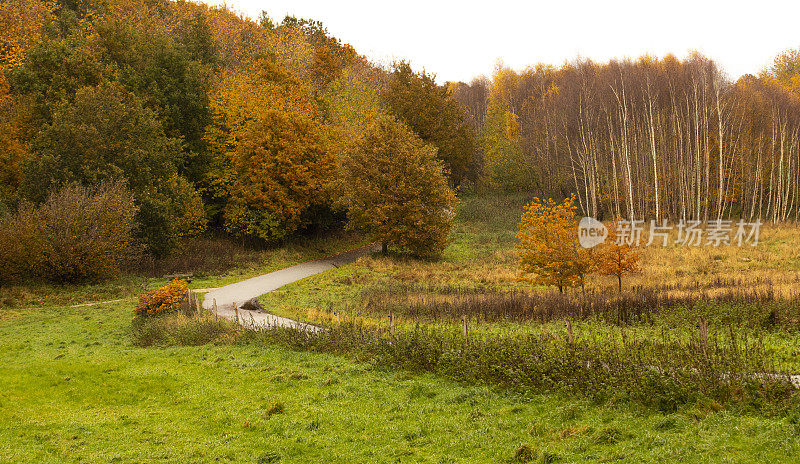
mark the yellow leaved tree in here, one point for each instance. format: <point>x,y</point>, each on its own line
<point>548,244</point>
<point>272,159</point>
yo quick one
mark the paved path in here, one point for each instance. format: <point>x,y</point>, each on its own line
<point>235,295</point>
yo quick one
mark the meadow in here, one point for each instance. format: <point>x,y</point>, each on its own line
<point>84,384</point>
<point>75,388</point>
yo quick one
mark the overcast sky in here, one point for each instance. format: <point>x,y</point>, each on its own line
<point>458,40</point>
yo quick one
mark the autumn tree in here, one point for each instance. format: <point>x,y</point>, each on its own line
<point>394,187</point>
<point>21,22</point>
<point>505,165</point>
<point>281,169</point>
<point>272,159</point>
<point>170,75</point>
<point>55,67</point>
<point>548,244</point>
<point>439,119</point>
<point>616,257</point>
<point>13,149</point>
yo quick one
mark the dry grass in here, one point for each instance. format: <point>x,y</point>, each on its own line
<point>773,263</point>
<point>480,264</point>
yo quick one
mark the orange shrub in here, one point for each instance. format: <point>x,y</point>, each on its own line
<point>163,300</point>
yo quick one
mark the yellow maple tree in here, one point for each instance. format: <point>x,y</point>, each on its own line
<point>548,244</point>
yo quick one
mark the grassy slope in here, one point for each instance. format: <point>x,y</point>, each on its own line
<point>481,256</point>
<point>73,389</point>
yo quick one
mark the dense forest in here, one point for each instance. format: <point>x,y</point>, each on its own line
<point>179,119</point>
<point>210,121</point>
<point>645,139</point>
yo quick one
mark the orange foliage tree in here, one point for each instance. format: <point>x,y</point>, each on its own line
<point>394,187</point>
<point>272,161</point>
<point>281,170</point>
<point>548,244</point>
<point>615,258</point>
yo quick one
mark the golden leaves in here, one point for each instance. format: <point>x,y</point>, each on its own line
<point>548,243</point>
<point>162,300</point>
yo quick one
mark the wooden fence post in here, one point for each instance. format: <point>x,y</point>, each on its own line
<point>465,329</point>
<point>236,310</point>
<point>570,336</point>
<point>391,325</point>
<point>215,308</point>
<point>703,336</point>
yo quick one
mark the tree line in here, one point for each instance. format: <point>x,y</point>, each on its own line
<point>648,138</point>
<point>212,120</point>
<point>202,119</point>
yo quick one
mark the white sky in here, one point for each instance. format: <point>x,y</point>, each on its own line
<point>458,40</point>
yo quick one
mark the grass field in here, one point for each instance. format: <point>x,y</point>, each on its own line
<point>75,387</point>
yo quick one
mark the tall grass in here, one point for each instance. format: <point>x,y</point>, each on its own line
<point>758,307</point>
<point>727,367</point>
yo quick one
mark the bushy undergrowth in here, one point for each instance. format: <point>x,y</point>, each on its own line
<point>663,374</point>
<point>78,234</point>
<point>726,368</point>
<point>182,330</point>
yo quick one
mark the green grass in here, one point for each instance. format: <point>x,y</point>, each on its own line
<point>74,389</point>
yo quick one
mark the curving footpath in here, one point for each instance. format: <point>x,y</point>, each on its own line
<point>233,296</point>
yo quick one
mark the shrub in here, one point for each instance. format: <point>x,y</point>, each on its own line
<point>77,234</point>
<point>179,330</point>
<point>163,300</point>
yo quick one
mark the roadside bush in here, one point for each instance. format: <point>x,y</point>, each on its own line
<point>180,330</point>
<point>163,300</point>
<point>78,234</point>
